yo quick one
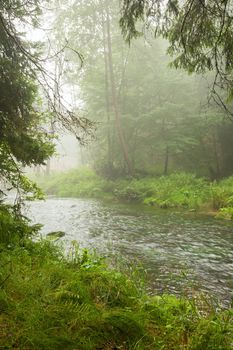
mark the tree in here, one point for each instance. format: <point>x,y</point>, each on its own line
<point>163,125</point>
<point>23,138</point>
<point>95,36</point>
<point>91,26</point>
<point>200,35</point>
<point>115,101</point>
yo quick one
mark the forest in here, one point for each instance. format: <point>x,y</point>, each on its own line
<point>130,246</point>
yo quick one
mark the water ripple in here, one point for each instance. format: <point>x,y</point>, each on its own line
<point>176,250</point>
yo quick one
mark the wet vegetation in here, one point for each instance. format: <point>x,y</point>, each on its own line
<point>160,136</point>
<point>48,301</point>
<point>178,190</point>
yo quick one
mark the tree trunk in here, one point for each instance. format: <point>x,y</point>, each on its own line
<point>114,99</point>
<point>109,150</point>
<point>166,161</point>
<point>218,171</point>
<point>56,102</point>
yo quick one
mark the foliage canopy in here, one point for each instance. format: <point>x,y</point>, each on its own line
<point>200,35</point>
<point>24,140</point>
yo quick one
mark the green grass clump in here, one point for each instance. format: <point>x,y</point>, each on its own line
<point>222,198</point>
<point>173,191</point>
<point>82,183</point>
<point>222,193</point>
<point>225,213</point>
<point>48,301</point>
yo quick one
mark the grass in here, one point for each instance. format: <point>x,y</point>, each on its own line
<point>49,301</point>
<point>178,190</point>
<point>83,183</point>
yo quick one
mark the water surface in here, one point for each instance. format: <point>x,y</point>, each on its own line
<point>181,253</point>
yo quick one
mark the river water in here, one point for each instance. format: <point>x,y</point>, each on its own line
<point>180,252</point>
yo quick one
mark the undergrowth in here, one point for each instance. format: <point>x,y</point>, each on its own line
<point>49,301</point>
<point>178,190</point>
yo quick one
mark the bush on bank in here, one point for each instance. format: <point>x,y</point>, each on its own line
<point>178,190</point>
<point>49,301</point>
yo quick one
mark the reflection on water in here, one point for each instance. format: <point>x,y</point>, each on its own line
<point>179,252</point>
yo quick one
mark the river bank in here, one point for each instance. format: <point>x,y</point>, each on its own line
<point>179,190</point>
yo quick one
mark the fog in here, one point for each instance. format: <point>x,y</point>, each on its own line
<point>116,174</point>
<point>149,118</point>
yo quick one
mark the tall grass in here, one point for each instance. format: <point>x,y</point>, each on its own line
<point>178,190</point>
<point>81,183</point>
<point>49,301</point>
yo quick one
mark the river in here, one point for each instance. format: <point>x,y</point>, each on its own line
<point>181,253</point>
